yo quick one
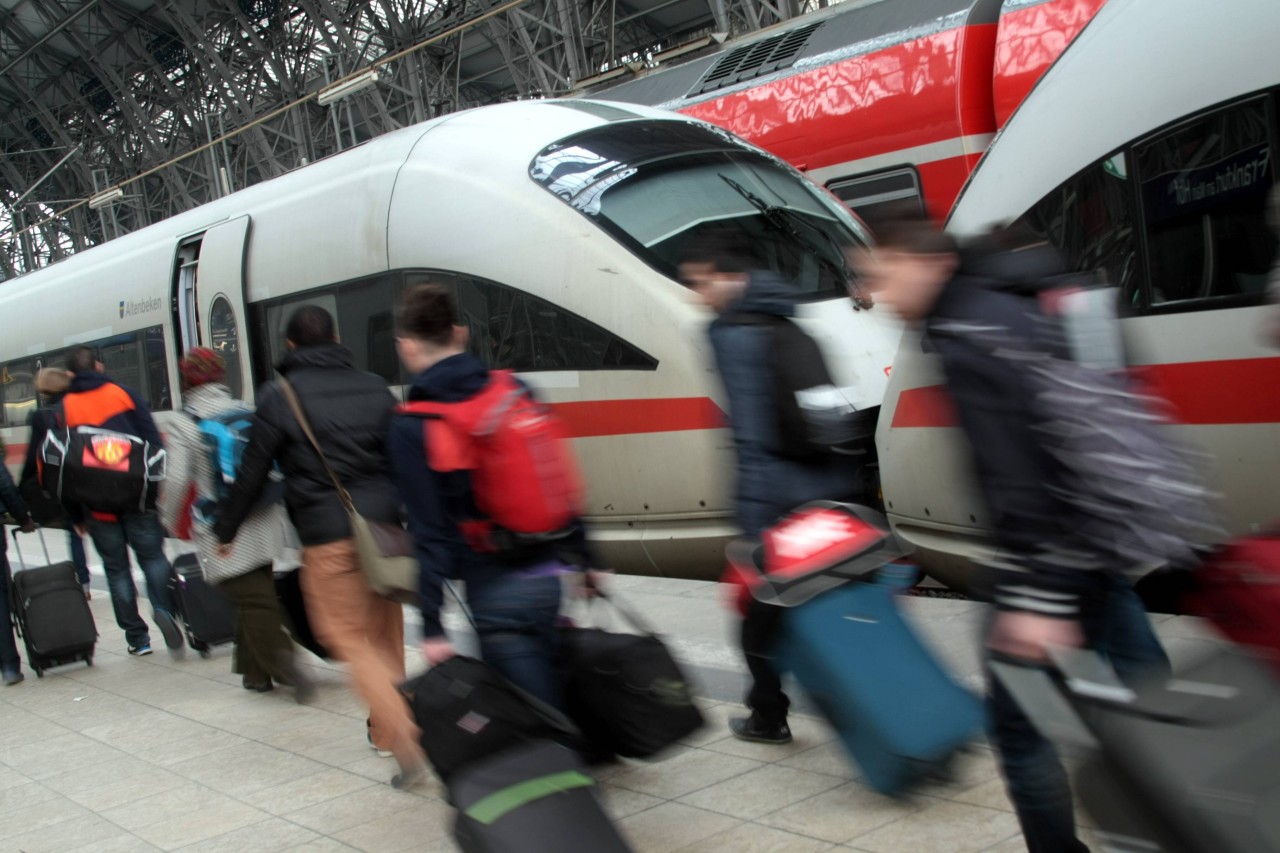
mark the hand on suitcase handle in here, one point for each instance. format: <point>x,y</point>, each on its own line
<point>1028,636</point>
<point>437,650</point>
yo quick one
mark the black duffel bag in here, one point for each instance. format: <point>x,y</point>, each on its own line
<point>468,711</point>
<point>625,691</point>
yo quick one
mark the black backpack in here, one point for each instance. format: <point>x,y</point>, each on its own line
<point>467,711</point>
<point>99,468</point>
<point>814,418</point>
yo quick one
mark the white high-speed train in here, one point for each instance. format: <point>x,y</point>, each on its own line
<point>1147,151</point>
<point>559,224</point>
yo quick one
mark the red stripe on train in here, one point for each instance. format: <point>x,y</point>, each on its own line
<point>1201,393</point>
<point>597,418</point>
<point>594,418</point>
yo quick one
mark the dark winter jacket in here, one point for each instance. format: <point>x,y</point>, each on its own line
<point>94,400</point>
<point>45,509</point>
<point>349,411</point>
<point>435,502</point>
<point>1016,473</point>
<point>768,485</point>
<point>12,503</point>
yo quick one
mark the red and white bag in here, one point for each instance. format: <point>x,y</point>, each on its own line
<point>816,548</point>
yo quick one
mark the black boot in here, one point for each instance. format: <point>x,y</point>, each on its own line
<point>755,729</point>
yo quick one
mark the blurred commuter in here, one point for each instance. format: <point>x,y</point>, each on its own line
<point>10,502</point>
<point>94,400</point>
<point>512,588</point>
<point>263,651</point>
<point>723,270</point>
<point>349,411</point>
<point>1051,588</point>
<point>52,385</point>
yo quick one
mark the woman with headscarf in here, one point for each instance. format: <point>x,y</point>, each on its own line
<point>263,653</point>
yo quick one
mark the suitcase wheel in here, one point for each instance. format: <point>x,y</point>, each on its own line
<point>39,672</point>
<point>204,653</point>
<point>88,660</point>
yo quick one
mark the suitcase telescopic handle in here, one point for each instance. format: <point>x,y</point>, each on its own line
<point>17,548</point>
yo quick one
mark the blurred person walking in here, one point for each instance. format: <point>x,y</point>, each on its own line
<point>94,400</point>
<point>52,384</point>
<point>349,411</point>
<point>263,651</point>
<point>1052,588</point>
<point>725,273</point>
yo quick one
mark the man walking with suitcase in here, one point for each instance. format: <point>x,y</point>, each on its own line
<point>1052,588</point>
<point>94,400</point>
<point>725,273</point>
<point>10,502</point>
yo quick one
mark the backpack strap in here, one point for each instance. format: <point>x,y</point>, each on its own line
<point>291,397</point>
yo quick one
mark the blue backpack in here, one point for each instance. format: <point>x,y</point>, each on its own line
<point>225,436</point>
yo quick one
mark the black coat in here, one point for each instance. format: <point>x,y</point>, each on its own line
<point>349,411</point>
<point>1016,472</point>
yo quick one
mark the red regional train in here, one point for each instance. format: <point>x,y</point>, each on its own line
<point>880,101</point>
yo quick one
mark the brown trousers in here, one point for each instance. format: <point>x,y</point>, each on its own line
<point>263,649</point>
<point>366,632</point>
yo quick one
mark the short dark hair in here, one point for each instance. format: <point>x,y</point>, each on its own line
<point>82,359</point>
<point>917,235</point>
<point>427,312</point>
<point>725,249</point>
<point>311,326</point>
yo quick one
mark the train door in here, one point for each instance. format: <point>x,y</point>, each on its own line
<point>209,299</point>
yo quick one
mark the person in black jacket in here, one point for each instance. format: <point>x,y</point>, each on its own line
<point>724,271</point>
<point>51,384</point>
<point>349,411</point>
<point>10,502</point>
<point>1051,589</point>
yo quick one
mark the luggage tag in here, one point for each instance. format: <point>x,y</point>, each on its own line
<point>818,547</point>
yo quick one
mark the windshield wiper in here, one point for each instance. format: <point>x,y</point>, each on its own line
<point>784,220</point>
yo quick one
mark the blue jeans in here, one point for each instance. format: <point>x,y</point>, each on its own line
<point>1117,628</point>
<point>81,560</point>
<point>144,534</point>
<point>515,613</point>
<point>9,660</point>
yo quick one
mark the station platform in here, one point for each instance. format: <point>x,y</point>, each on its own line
<point>142,754</point>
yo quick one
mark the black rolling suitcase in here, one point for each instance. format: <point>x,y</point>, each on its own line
<point>625,691</point>
<point>531,799</point>
<point>208,615</point>
<point>294,609</point>
<point>1179,765</point>
<point>51,613</point>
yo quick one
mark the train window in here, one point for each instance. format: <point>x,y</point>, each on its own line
<point>134,359</point>
<point>17,387</point>
<point>364,312</point>
<point>1204,188</point>
<point>515,330</point>
<point>658,186</point>
<point>893,192</point>
<point>1089,219</point>
<point>279,313</point>
<point>224,333</point>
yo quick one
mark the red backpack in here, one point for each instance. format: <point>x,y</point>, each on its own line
<point>524,478</point>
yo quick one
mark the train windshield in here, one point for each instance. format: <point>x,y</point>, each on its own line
<point>658,185</point>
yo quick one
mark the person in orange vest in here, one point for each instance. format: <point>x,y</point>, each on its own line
<point>94,400</point>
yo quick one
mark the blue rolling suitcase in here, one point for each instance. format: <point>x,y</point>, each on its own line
<point>899,714</point>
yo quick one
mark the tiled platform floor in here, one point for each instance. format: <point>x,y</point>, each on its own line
<point>148,753</point>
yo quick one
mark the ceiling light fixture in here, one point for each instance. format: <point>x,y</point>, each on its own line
<point>347,87</point>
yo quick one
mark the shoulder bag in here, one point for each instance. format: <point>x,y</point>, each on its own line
<point>385,550</point>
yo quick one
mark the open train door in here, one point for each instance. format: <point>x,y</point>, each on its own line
<point>220,297</point>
